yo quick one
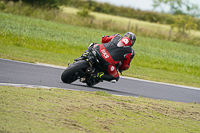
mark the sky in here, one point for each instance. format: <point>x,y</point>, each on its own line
<point>142,4</point>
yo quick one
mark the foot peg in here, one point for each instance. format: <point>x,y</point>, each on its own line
<point>82,79</point>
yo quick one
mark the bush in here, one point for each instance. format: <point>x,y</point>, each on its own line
<point>184,22</point>
<point>2,6</point>
<point>84,13</point>
<point>43,3</point>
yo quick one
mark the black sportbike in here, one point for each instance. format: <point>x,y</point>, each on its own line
<point>84,69</point>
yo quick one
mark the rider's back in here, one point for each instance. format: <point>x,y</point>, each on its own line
<point>116,52</point>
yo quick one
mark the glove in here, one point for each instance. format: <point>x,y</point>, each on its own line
<point>85,54</point>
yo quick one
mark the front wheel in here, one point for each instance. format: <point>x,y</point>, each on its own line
<point>69,75</point>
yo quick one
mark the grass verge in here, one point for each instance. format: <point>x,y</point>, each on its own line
<point>58,110</point>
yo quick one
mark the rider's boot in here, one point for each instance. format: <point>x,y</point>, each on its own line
<point>113,81</point>
<point>97,77</point>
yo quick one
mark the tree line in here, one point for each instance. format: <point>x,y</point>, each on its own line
<point>184,22</point>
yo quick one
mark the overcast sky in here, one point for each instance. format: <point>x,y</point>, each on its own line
<point>142,4</point>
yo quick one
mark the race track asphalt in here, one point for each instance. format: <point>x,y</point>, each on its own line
<point>15,72</point>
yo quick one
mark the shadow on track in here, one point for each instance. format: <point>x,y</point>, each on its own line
<point>115,92</point>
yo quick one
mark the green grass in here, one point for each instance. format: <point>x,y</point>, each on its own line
<point>141,28</point>
<point>69,15</point>
<point>35,40</point>
<point>58,110</point>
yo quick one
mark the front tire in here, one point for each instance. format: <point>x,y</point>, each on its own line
<point>69,75</point>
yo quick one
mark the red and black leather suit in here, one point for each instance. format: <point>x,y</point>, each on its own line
<point>114,51</point>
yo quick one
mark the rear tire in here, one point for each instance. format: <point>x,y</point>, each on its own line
<point>69,75</point>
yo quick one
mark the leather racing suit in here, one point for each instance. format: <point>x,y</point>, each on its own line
<point>115,54</point>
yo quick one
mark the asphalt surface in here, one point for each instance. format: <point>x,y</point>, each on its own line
<point>15,72</point>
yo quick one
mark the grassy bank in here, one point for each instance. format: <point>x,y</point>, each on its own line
<point>123,21</point>
<point>141,28</point>
<point>57,110</point>
<point>35,40</point>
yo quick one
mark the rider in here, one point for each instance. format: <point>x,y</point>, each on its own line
<point>115,54</point>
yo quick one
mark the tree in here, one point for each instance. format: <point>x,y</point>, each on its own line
<point>184,22</point>
<point>178,6</point>
<point>64,2</point>
<point>44,3</point>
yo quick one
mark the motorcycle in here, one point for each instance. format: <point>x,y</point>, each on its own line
<point>83,69</point>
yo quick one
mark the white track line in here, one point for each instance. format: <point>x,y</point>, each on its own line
<point>32,86</point>
<point>25,85</point>
<point>130,78</point>
<point>48,65</point>
<point>44,87</point>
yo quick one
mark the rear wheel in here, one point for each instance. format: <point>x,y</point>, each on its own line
<point>70,74</point>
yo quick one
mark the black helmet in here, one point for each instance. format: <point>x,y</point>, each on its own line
<point>131,36</point>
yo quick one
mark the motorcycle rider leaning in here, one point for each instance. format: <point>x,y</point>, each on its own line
<point>115,54</point>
